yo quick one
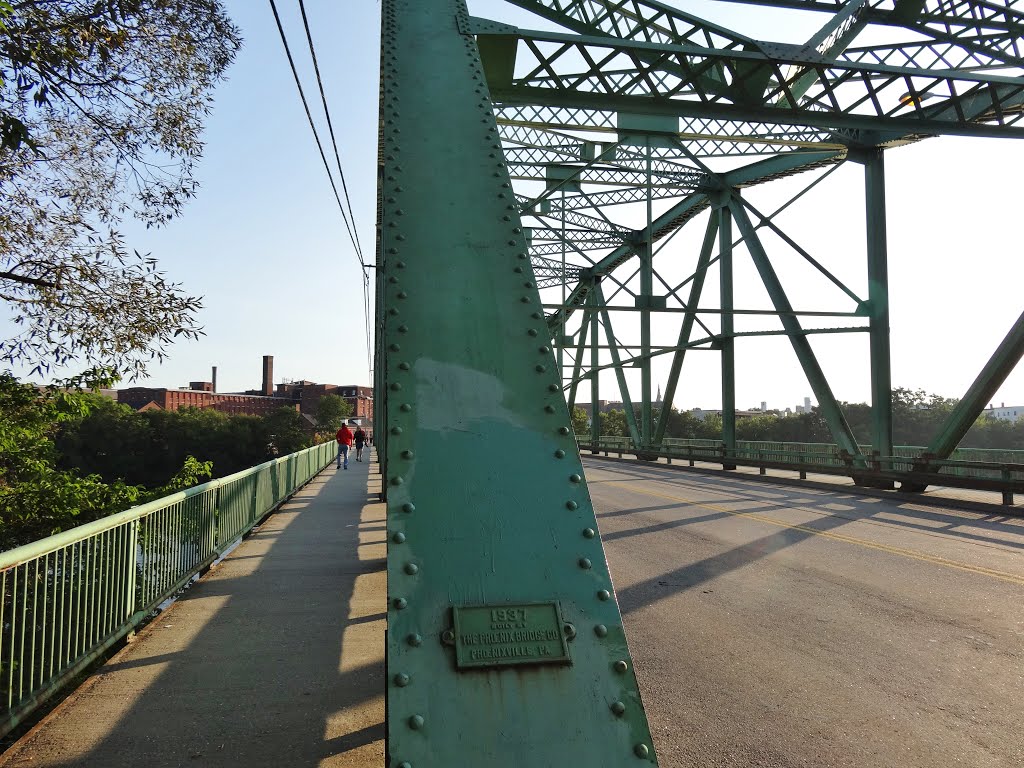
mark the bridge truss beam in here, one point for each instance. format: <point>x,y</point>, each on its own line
<point>619,124</point>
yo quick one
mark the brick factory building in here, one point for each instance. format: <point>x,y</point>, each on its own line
<point>303,396</point>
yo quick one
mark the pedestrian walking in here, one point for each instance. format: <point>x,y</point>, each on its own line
<point>344,443</point>
<point>360,440</point>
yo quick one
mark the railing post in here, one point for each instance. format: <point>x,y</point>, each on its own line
<point>762,470</point>
<point>1007,492</point>
<point>803,470</point>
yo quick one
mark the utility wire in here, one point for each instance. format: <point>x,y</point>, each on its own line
<point>349,219</point>
<point>330,125</point>
<point>316,135</point>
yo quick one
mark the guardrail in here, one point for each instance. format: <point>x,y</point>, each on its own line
<point>69,598</point>
<point>909,465</point>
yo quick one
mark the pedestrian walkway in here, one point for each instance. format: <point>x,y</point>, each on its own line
<point>274,658</point>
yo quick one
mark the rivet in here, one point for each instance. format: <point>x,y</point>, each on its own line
<point>504,218</point>
<point>416,722</point>
<point>396,386</point>
<point>412,569</point>
<point>397,480</point>
<point>603,594</point>
<point>403,366</point>
<point>392,311</point>
<point>543,350</point>
<point>532,332</point>
<point>398,538</point>
<point>589,533</point>
<point>517,230</point>
<point>392,250</point>
<point>401,679</point>
<point>400,212</point>
<point>408,508</point>
<point>396,430</point>
<point>403,329</point>
<point>536,315</point>
<point>585,563</point>
<point>620,666</point>
<point>520,255</point>
<point>512,242</point>
<point>405,407</point>
<point>403,295</point>
<point>407,454</point>
<point>641,750</point>
<point>559,454</point>
<point>395,347</point>
<point>399,237</point>
<point>601,630</point>
<point>563,430</point>
<point>575,479</point>
<point>571,505</point>
<point>525,299</point>
<point>405,765</point>
<point>392,279</point>
<point>539,368</point>
<point>518,270</point>
<point>553,388</point>
<point>400,603</point>
<point>618,708</point>
<point>400,264</point>
<point>416,640</point>
<point>549,409</point>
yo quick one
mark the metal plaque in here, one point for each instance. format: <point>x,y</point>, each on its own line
<point>505,635</point>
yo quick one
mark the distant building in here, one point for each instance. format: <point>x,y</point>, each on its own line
<point>149,398</point>
<point>1005,412</point>
<point>303,396</point>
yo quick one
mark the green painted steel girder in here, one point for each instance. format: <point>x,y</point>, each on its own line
<point>827,402</point>
<point>765,87</point>
<point>505,645</point>
<point>970,406</point>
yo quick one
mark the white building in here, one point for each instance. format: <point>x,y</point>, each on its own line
<point>1005,412</point>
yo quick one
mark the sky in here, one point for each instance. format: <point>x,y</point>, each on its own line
<point>265,245</point>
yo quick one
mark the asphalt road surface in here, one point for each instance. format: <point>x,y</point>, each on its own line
<point>776,626</point>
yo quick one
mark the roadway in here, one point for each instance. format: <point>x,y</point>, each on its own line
<point>778,626</point>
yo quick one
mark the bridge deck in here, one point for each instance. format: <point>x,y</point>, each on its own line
<point>274,658</point>
<point>771,626</point>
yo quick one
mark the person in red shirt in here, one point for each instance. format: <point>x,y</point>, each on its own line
<point>344,443</point>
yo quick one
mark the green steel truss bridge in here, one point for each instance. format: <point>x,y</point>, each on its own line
<point>529,181</point>
<point>536,191</point>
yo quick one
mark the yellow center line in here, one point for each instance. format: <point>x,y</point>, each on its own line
<point>902,552</point>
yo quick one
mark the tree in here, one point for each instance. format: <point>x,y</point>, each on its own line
<point>613,424</point>
<point>37,498</point>
<point>580,421</point>
<point>285,432</point>
<point>331,411</point>
<point>101,109</point>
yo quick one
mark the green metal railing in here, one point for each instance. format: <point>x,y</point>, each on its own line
<point>978,468</point>
<point>69,598</point>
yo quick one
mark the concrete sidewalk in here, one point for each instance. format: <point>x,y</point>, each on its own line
<point>274,658</point>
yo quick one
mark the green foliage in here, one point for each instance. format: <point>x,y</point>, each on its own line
<point>331,411</point>
<point>580,421</point>
<point>37,498</point>
<point>101,112</point>
<point>285,432</point>
<point>613,424</point>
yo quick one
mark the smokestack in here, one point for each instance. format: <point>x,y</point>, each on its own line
<point>268,375</point>
<point>764,404</point>
<point>213,378</point>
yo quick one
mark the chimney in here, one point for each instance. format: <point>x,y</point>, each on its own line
<point>764,406</point>
<point>213,378</point>
<point>268,375</point>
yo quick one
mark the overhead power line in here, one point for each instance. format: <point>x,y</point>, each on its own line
<point>316,136</point>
